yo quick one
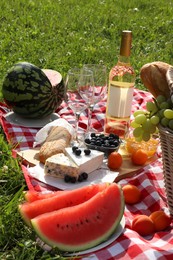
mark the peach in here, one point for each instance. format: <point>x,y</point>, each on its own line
<point>143,225</point>
<point>160,219</point>
<point>131,193</point>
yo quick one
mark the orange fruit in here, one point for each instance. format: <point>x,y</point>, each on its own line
<point>160,219</point>
<point>139,157</point>
<point>143,225</point>
<point>131,193</point>
<point>115,160</point>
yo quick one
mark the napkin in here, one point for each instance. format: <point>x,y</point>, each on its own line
<point>43,132</point>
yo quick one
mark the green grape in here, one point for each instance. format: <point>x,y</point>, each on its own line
<point>160,99</point>
<point>134,124</point>
<point>164,105</point>
<point>152,129</point>
<point>149,127</point>
<point>168,113</point>
<point>146,136</point>
<point>146,125</point>
<point>138,112</point>
<point>155,120</point>
<point>164,121</point>
<point>151,106</point>
<point>161,113</point>
<point>140,119</point>
<point>138,139</point>
<point>171,124</point>
<point>169,102</point>
<point>137,132</point>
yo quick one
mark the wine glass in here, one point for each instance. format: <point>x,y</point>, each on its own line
<point>99,88</point>
<point>76,78</point>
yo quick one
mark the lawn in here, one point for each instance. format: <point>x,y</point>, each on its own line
<point>59,34</point>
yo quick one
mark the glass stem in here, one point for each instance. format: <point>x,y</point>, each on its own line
<point>90,111</point>
<point>77,115</point>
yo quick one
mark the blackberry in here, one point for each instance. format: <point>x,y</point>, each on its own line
<point>74,148</point>
<point>67,178</point>
<point>73,179</point>
<point>85,175</point>
<point>78,152</point>
<point>80,178</point>
<point>87,151</point>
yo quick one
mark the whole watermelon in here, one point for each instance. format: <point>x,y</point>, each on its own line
<point>29,92</point>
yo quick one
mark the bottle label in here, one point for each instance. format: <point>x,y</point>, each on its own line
<point>120,98</point>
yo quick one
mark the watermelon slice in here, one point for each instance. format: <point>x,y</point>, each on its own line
<point>31,195</point>
<point>61,200</point>
<point>85,225</point>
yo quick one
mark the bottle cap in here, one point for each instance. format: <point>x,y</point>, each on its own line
<point>126,42</point>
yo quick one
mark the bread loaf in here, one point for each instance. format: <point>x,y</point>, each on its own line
<point>169,77</point>
<point>153,76</point>
<point>57,140</point>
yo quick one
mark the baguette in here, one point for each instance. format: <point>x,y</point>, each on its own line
<point>153,76</point>
<point>57,140</point>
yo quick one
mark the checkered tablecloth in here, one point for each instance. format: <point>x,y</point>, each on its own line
<point>129,245</point>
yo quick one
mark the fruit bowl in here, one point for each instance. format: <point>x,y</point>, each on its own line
<point>103,142</point>
<point>150,147</point>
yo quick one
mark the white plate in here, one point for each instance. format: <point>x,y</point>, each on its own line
<point>13,118</point>
<point>111,239</point>
<point>100,175</point>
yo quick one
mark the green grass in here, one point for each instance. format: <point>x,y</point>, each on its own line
<point>59,34</point>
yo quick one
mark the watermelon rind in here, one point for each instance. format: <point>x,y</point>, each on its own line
<point>83,226</point>
<point>29,93</point>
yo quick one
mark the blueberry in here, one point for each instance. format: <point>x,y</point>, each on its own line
<point>93,134</point>
<point>74,148</point>
<point>85,175</point>
<point>87,151</point>
<point>93,139</point>
<point>78,152</point>
<point>87,141</point>
<point>98,143</point>
<point>116,143</point>
<point>106,144</point>
<point>111,142</point>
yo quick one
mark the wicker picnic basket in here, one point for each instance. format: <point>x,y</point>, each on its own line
<point>166,141</point>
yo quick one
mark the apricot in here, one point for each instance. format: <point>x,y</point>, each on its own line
<point>143,225</point>
<point>131,193</point>
<point>160,219</point>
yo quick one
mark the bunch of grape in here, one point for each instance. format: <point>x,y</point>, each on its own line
<point>158,111</point>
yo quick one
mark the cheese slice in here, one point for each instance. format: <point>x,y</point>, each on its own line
<point>71,164</point>
<point>86,163</point>
<point>60,165</point>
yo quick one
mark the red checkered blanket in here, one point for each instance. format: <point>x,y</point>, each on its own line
<point>129,245</point>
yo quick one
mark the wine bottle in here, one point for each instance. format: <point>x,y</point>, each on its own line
<point>120,90</point>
